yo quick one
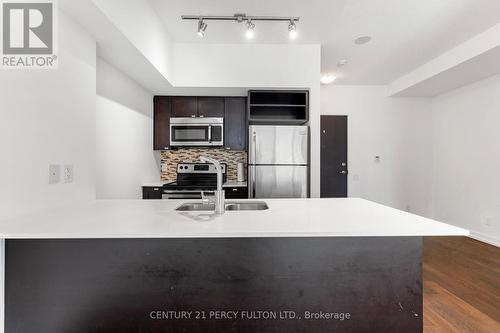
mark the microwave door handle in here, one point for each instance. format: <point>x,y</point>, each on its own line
<point>209,133</point>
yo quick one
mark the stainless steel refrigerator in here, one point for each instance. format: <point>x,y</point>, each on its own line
<point>278,162</point>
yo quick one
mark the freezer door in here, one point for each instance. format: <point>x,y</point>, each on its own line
<point>278,145</point>
<point>268,181</point>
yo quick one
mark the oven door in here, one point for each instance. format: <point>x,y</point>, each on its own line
<point>197,135</point>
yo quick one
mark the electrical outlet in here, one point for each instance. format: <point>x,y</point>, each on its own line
<point>68,173</point>
<point>54,173</point>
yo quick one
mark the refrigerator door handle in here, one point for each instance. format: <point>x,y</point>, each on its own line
<point>251,183</point>
<point>254,147</point>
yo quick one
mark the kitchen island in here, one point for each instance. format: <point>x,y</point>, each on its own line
<point>303,265</point>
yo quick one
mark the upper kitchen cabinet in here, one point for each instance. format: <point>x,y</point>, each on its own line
<point>162,108</point>
<point>235,123</point>
<point>287,107</point>
<point>184,106</point>
<point>232,109</point>
<point>211,107</point>
<point>187,106</point>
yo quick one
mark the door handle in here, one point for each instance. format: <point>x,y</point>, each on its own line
<point>254,152</point>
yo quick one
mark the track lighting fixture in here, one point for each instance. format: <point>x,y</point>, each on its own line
<point>240,18</point>
<point>292,30</point>
<point>250,33</point>
<point>202,26</point>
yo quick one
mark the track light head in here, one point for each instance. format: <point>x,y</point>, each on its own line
<point>202,26</point>
<point>292,29</point>
<point>250,33</point>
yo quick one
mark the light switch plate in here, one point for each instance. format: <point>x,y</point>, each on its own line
<point>54,173</point>
<point>68,173</point>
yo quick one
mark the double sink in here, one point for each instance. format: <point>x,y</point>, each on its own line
<point>199,206</point>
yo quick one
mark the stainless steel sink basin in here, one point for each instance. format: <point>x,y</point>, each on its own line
<point>251,205</point>
<point>198,206</point>
<point>195,206</point>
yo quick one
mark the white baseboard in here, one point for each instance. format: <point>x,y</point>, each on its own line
<point>485,238</point>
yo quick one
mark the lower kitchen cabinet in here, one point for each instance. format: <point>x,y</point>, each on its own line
<point>152,192</point>
<point>240,192</point>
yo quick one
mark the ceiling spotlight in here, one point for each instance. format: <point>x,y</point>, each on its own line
<point>292,29</point>
<point>250,33</point>
<point>327,78</point>
<point>202,26</point>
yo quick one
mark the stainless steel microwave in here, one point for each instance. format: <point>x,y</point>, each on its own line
<point>196,132</point>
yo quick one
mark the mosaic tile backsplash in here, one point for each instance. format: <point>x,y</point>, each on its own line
<point>170,158</point>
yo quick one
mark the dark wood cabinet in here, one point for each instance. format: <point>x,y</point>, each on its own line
<point>240,192</point>
<point>211,107</point>
<point>232,109</point>
<point>184,106</point>
<point>278,107</point>
<point>162,108</point>
<point>150,192</point>
<point>235,123</point>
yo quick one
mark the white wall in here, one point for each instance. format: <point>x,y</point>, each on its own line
<point>125,156</point>
<point>48,116</point>
<point>141,25</point>
<point>245,65</point>
<point>396,129</point>
<point>466,142</point>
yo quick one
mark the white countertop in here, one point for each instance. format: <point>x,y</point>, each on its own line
<point>284,218</point>
<point>234,184</point>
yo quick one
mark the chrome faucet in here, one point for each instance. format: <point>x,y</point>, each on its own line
<point>219,197</point>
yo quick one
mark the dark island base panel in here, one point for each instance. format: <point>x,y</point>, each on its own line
<point>365,284</point>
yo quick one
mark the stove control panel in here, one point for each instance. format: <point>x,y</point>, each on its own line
<point>199,168</point>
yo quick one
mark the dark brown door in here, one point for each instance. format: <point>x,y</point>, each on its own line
<point>211,107</point>
<point>161,119</point>
<point>334,156</point>
<point>184,106</point>
<point>235,123</point>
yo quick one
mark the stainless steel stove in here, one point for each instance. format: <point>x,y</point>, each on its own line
<point>192,179</point>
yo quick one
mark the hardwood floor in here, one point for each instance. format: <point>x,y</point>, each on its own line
<point>461,285</point>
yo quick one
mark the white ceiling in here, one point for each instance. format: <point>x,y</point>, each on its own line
<point>406,33</point>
